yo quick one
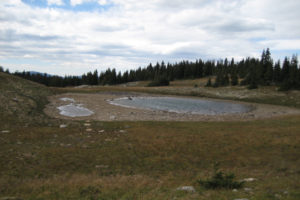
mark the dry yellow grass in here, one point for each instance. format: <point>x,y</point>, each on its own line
<point>148,160</point>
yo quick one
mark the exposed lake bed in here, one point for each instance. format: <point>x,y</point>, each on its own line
<point>106,107</point>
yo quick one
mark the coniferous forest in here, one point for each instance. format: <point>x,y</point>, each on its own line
<point>251,72</point>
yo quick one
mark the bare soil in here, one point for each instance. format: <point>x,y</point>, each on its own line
<point>104,111</point>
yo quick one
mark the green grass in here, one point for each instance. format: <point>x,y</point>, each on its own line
<point>39,160</point>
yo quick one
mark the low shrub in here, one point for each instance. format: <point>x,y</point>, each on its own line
<point>221,180</point>
<point>159,82</point>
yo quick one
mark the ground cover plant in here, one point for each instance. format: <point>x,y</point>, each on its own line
<point>139,160</point>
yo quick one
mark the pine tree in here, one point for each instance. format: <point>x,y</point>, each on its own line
<point>277,72</point>
<point>208,84</point>
<point>234,79</point>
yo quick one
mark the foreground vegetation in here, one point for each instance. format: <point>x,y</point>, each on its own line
<point>138,160</point>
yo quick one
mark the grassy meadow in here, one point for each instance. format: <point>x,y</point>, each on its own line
<point>143,160</point>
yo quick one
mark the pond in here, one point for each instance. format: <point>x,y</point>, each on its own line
<point>73,110</point>
<point>182,105</point>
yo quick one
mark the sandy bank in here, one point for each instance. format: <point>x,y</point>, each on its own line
<point>104,111</point>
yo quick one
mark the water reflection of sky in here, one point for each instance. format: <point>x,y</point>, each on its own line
<point>73,110</point>
<point>182,105</point>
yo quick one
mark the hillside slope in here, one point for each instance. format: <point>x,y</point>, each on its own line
<point>21,99</point>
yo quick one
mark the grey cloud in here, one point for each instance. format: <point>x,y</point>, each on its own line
<point>245,26</point>
<point>10,35</point>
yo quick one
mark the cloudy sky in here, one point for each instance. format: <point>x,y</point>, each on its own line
<point>76,36</point>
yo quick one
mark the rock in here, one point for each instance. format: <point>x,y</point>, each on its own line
<point>122,131</point>
<point>5,131</point>
<point>101,131</point>
<point>278,196</point>
<point>112,117</point>
<point>101,166</point>
<point>87,124</point>
<point>88,129</point>
<point>10,198</point>
<point>241,199</point>
<point>186,188</point>
<point>249,179</point>
<point>63,126</point>
<point>234,190</point>
<point>248,189</point>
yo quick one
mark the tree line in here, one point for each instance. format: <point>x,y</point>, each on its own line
<point>251,72</point>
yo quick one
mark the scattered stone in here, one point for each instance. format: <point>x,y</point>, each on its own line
<point>108,140</point>
<point>249,179</point>
<point>186,188</point>
<point>122,131</point>
<point>28,155</point>
<point>19,143</point>
<point>55,135</point>
<point>286,192</point>
<point>5,131</point>
<point>84,146</point>
<point>241,199</point>
<point>68,145</point>
<point>63,126</point>
<point>15,99</point>
<point>112,117</point>
<point>101,131</point>
<point>234,190</point>
<point>88,129</point>
<point>278,196</point>
<point>10,198</point>
<point>248,189</point>
<point>101,166</point>
<point>87,124</point>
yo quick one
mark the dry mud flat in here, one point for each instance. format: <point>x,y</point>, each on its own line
<point>104,111</point>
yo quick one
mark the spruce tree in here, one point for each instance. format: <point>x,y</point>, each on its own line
<point>208,84</point>
<point>234,79</point>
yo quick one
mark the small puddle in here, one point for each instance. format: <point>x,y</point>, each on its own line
<point>73,110</point>
<point>182,105</point>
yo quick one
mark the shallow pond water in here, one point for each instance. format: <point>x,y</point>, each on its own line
<point>74,110</point>
<point>182,105</point>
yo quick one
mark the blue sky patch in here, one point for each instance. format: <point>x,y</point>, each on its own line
<point>85,6</point>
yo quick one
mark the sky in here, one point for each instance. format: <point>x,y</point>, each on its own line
<point>72,37</point>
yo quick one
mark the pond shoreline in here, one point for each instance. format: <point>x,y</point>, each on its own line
<point>104,111</point>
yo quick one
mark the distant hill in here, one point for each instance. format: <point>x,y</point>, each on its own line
<point>40,73</point>
<point>21,98</point>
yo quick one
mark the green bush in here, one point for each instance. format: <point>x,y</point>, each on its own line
<point>220,180</point>
<point>159,82</point>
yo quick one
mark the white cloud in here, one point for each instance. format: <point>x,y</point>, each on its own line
<point>102,2</point>
<point>79,2</point>
<point>55,2</point>
<point>133,33</point>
